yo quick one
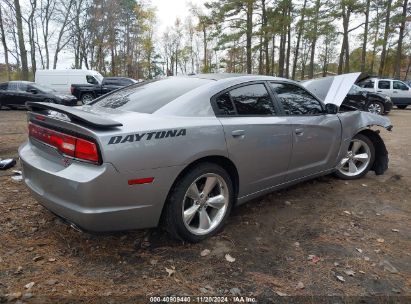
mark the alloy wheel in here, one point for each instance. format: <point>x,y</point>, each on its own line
<point>357,159</point>
<point>375,108</point>
<point>205,204</point>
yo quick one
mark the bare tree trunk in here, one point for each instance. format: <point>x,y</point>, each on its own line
<point>397,67</point>
<point>249,34</point>
<point>59,44</point>
<point>287,61</point>
<point>365,39</point>
<point>300,32</point>
<point>22,47</point>
<point>6,51</point>
<point>385,40</point>
<point>31,27</point>
<point>314,40</point>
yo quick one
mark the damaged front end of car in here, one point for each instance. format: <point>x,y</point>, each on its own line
<point>333,90</point>
<point>360,122</point>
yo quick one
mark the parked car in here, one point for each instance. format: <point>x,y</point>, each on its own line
<point>398,91</point>
<point>182,151</point>
<point>61,80</point>
<point>15,94</point>
<point>88,92</point>
<point>367,101</point>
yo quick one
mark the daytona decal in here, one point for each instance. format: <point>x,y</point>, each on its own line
<point>146,136</point>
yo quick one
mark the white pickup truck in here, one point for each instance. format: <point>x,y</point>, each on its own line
<point>398,91</point>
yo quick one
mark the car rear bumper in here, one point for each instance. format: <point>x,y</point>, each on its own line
<point>94,198</point>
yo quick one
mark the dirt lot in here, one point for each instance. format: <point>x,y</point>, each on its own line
<point>325,237</point>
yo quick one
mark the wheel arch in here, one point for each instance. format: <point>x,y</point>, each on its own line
<point>222,161</point>
<point>380,164</point>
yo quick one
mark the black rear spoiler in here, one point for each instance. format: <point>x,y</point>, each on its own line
<point>74,114</point>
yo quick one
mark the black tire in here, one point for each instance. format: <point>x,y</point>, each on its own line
<point>86,98</point>
<point>402,107</point>
<point>370,144</point>
<point>1,106</point>
<point>376,105</point>
<point>173,213</point>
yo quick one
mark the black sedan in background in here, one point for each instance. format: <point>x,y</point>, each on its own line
<point>15,94</point>
<point>367,101</point>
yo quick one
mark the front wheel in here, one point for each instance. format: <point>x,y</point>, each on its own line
<point>199,203</point>
<point>358,160</point>
<point>376,107</point>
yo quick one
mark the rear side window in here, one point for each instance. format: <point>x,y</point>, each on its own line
<point>224,104</point>
<point>296,100</point>
<point>3,86</point>
<point>149,96</point>
<point>252,100</point>
<point>384,85</point>
<point>12,86</point>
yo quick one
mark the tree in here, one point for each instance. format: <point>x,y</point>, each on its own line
<point>385,39</point>
<point>22,47</point>
<point>3,41</point>
<point>397,66</point>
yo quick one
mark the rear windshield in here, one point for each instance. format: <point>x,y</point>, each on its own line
<point>148,97</point>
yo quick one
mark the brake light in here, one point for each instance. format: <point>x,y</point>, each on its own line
<point>67,144</point>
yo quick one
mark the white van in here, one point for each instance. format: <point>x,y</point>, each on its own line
<point>61,80</point>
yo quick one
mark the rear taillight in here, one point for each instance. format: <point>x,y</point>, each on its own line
<point>69,145</point>
<point>72,90</point>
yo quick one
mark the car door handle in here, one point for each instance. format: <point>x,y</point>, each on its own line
<point>237,133</point>
<point>395,91</point>
<point>299,132</point>
<point>379,91</point>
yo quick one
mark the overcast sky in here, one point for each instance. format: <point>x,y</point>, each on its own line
<point>169,10</point>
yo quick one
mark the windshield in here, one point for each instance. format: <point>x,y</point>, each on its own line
<point>355,90</point>
<point>43,88</point>
<point>149,96</point>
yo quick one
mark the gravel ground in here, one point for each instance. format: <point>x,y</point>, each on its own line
<point>308,243</point>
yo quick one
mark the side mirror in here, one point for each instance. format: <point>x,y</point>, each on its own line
<point>34,91</point>
<point>331,108</point>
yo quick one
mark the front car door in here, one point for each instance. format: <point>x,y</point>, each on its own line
<point>258,140</point>
<point>316,136</point>
<point>401,93</point>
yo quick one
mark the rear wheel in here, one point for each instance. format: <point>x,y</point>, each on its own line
<point>199,203</point>
<point>86,98</point>
<point>402,107</point>
<point>358,160</point>
<point>376,107</point>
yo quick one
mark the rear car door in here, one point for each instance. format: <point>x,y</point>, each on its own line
<point>385,87</point>
<point>316,136</point>
<point>401,93</point>
<point>258,140</point>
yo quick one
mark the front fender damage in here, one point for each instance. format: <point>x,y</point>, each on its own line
<point>356,122</point>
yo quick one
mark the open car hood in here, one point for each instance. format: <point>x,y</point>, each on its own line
<point>332,89</point>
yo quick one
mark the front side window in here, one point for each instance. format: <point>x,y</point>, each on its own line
<point>398,85</point>
<point>91,79</point>
<point>252,100</point>
<point>22,87</point>
<point>295,100</point>
<point>384,84</point>
<point>369,84</point>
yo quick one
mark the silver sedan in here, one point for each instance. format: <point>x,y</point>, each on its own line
<point>183,151</point>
